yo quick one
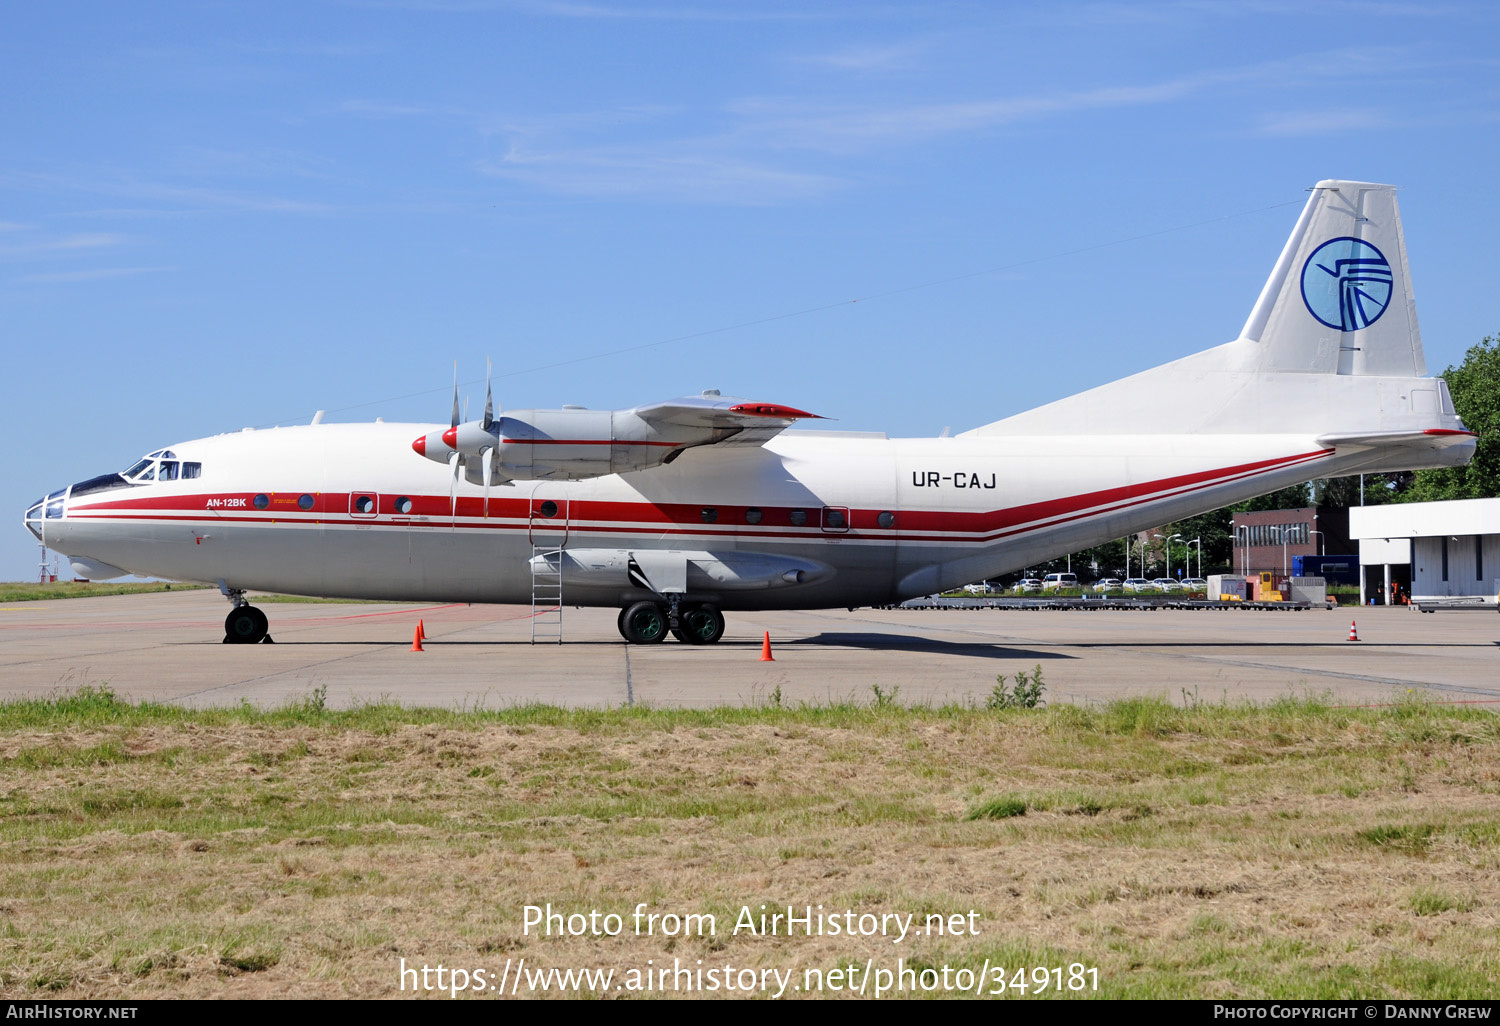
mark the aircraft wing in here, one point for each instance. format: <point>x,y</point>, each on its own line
<point>722,420</point>
<point>576,444</point>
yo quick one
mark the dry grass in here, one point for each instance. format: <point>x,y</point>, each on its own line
<point>30,591</point>
<point>1293,850</point>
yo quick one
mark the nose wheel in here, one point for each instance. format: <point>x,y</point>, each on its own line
<point>246,625</point>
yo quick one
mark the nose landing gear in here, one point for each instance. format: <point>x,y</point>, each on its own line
<point>245,625</point>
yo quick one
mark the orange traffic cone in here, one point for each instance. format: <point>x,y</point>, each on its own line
<point>1353,632</point>
<point>765,650</point>
<point>416,640</point>
<point>421,630</point>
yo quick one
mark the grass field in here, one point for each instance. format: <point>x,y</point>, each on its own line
<point>1294,850</point>
<point>30,591</point>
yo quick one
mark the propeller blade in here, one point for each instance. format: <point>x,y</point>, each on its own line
<point>487,459</point>
<point>489,405</point>
<point>455,394</point>
<point>455,463</point>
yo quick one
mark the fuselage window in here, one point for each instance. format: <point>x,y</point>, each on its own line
<point>134,472</point>
<point>364,504</point>
<point>834,518</point>
<point>886,519</point>
<point>752,515</point>
<point>192,471</point>
<point>261,501</point>
<point>709,514</point>
<point>167,471</point>
<point>305,502</point>
<point>799,517</point>
<point>403,505</point>
<point>547,509</point>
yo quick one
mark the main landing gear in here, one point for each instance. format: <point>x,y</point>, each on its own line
<point>646,623</point>
<point>245,625</point>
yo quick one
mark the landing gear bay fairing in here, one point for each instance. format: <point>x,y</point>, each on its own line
<point>680,511</point>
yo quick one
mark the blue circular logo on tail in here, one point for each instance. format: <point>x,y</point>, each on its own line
<point>1347,284</point>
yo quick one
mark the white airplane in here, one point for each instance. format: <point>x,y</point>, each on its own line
<point>678,511</point>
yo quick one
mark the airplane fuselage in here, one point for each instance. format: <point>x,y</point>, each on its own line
<point>346,510</point>
<point>677,510</point>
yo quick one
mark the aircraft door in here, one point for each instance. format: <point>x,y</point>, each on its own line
<point>548,518</point>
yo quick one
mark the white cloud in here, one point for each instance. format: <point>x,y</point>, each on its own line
<point>89,275</point>
<point>88,240</point>
<point>666,173</point>
<point>747,158</point>
<point>610,12</point>
<point>1321,122</point>
<point>893,57</point>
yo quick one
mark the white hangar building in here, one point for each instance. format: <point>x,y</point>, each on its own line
<point>1437,550</point>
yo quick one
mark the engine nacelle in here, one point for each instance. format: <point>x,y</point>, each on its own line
<point>567,444</point>
<point>573,443</point>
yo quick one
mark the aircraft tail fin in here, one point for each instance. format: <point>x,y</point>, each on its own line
<point>1331,344</point>
<point>1340,299</point>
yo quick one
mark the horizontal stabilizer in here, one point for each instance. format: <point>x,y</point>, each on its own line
<point>1431,438</point>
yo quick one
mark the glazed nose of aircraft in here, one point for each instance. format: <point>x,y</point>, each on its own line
<point>49,507</point>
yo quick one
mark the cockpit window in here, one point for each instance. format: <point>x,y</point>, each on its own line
<point>162,465</point>
<point>136,471</point>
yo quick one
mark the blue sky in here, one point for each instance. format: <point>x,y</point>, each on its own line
<point>215,215</point>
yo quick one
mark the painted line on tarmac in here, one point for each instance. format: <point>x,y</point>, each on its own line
<point>1012,639</point>
<point>1370,678</point>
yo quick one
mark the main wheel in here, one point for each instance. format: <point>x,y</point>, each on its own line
<point>700,625</point>
<point>245,625</point>
<point>644,623</point>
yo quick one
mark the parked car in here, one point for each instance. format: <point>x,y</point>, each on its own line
<point>981,588</point>
<point>1139,585</point>
<point>1194,584</point>
<point>1167,584</point>
<point>1029,584</point>
<point>1108,584</point>
<point>1052,582</point>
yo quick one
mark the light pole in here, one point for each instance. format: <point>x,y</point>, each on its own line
<point>1322,545</point>
<point>1244,548</point>
<point>1175,537</point>
<point>1281,533</point>
<point>1198,542</point>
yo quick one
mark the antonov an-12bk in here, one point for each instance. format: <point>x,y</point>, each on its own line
<point>678,511</point>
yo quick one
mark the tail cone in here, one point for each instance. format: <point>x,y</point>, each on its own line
<point>765,650</point>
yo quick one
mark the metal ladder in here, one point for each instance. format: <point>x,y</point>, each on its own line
<point>546,593</point>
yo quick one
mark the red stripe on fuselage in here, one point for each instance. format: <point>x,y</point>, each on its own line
<point>581,441</point>
<point>600,517</point>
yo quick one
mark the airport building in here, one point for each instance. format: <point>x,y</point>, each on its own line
<point>1271,540</point>
<point>1435,551</point>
